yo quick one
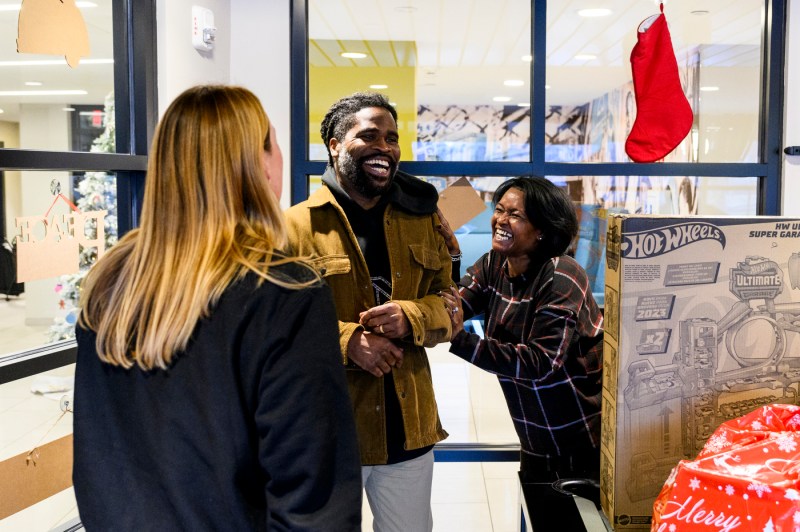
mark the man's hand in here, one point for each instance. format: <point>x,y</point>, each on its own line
<point>388,320</point>
<point>374,353</point>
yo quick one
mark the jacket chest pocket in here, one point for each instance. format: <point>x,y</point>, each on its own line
<point>425,264</point>
<point>331,265</point>
<point>336,271</point>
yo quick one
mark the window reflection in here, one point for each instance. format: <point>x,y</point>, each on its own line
<point>684,195</point>
<point>43,101</point>
<point>56,209</point>
<point>52,238</point>
<point>596,197</point>
<point>457,73</point>
<point>454,89</point>
<point>472,133</point>
<point>590,100</point>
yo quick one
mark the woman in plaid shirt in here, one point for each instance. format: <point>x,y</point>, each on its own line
<point>543,329</point>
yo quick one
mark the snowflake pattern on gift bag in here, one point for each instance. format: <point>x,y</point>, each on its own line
<point>746,478</point>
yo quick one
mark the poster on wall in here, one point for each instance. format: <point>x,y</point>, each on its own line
<point>472,133</point>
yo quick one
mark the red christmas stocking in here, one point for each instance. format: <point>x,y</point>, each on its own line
<point>663,115</point>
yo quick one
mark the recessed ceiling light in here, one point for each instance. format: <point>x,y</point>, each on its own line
<point>594,12</point>
<point>699,12</point>
<point>1,111</point>
<point>527,58</point>
<point>709,88</point>
<point>379,86</point>
<point>585,57</point>
<point>353,55</point>
<point>15,7</point>
<point>502,98</point>
<point>513,83</point>
<point>524,104</point>
<point>546,87</point>
<point>33,83</point>
<point>54,62</point>
<point>68,109</point>
<point>44,93</point>
<point>393,104</point>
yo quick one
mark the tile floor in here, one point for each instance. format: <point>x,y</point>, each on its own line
<point>467,496</point>
<point>14,334</point>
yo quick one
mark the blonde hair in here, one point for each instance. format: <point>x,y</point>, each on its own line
<point>208,218</point>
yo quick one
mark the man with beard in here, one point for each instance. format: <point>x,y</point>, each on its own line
<point>371,232</point>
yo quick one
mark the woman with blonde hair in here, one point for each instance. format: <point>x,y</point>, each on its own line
<point>209,390</point>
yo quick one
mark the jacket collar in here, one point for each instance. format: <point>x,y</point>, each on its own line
<point>407,192</point>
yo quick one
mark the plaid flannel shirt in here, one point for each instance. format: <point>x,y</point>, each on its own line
<point>544,341</point>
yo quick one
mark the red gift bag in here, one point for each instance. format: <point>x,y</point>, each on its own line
<point>744,479</point>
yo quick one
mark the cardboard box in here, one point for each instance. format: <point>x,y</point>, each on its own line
<point>702,321</point>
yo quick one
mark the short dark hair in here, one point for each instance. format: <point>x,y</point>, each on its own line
<point>341,115</point>
<point>548,208</point>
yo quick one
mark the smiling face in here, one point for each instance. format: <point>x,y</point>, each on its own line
<point>366,159</point>
<point>513,235</point>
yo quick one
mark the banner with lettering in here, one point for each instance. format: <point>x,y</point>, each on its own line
<point>746,478</point>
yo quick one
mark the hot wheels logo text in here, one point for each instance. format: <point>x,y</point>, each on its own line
<point>666,239</point>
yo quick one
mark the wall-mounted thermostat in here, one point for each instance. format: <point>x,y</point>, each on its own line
<point>203,30</point>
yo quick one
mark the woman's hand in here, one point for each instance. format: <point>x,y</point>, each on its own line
<point>449,236</point>
<point>452,302</point>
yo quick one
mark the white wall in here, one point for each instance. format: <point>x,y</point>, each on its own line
<point>252,50</point>
<point>791,137</point>
<point>180,65</point>
<point>260,61</point>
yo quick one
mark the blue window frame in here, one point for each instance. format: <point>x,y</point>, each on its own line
<point>767,170</point>
<point>136,113</point>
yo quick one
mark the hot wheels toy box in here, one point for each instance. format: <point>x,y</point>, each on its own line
<point>702,325</point>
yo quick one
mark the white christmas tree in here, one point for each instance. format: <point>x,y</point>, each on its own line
<point>98,191</point>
